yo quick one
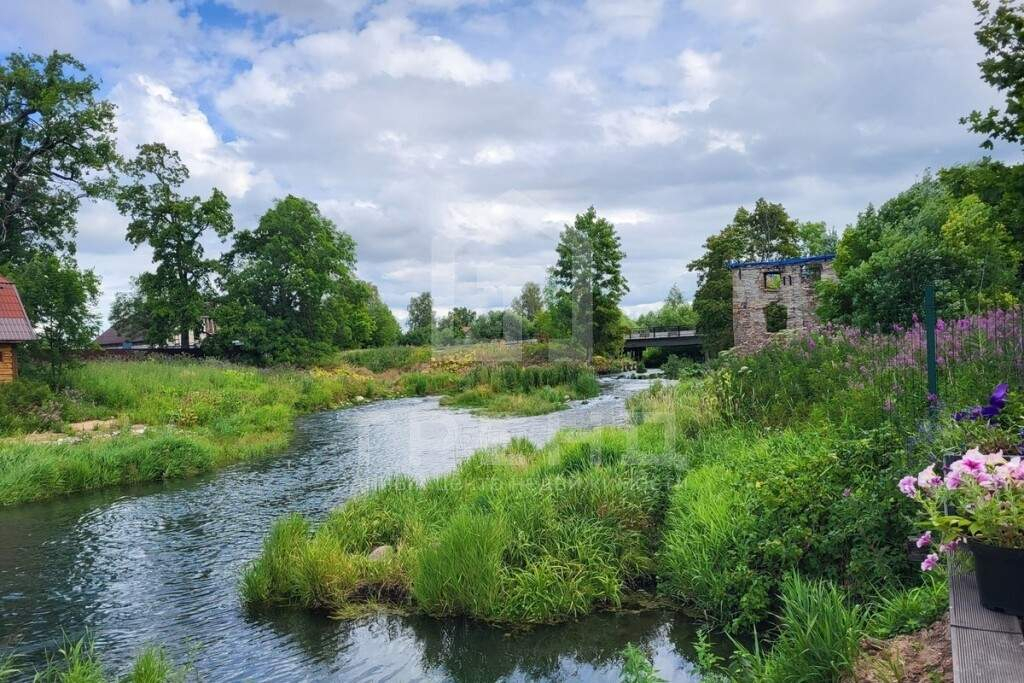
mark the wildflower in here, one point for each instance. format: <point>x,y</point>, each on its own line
<point>933,399</point>
<point>888,405</point>
<point>929,562</point>
<point>908,486</point>
<point>847,491</point>
<point>924,540</point>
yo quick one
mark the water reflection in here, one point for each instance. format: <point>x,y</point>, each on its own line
<point>160,563</point>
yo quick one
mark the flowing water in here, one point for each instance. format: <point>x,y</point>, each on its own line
<point>160,564</point>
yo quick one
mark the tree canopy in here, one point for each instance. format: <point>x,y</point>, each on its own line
<point>290,294</point>
<point>1001,33</point>
<point>56,148</point>
<point>588,283</point>
<point>177,294</point>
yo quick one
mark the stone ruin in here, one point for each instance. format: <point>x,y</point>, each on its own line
<point>771,296</point>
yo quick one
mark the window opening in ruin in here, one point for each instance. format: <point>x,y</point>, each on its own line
<point>776,317</point>
<point>810,272</point>
<point>772,280</point>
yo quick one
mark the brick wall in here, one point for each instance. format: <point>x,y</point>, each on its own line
<point>751,293</point>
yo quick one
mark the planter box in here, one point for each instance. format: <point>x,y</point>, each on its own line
<point>1000,574</point>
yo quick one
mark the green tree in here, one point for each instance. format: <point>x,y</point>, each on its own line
<point>386,330</point>
<point>289,292</point>
<point>999,185</point>
<point>56,148</point>
<point>529,303</point>
<point>129,314</point>
<point>922,236</point>
<point>765,233</point>
<point>421,319</point>
<point>675,312</point>
<point>59,300</point>
<point>814,238</point>
<point>1001,33</point>
<point>588,281</point>
<point>177,294</point>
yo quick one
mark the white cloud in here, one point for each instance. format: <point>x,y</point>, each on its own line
<point>629,18</point>
<point>149,111</point>
<point>642,126</point>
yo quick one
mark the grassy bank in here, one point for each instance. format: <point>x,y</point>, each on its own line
<point>169,419</point>
<point>761,498</point>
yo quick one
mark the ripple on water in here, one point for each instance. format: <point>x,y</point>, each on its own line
<point>160,563</point>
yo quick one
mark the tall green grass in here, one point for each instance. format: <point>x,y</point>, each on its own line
<point>76,661</point>
<point>511,389</point>
<point>387,357</point>
<point>519,535</point>
<point>818,637</point>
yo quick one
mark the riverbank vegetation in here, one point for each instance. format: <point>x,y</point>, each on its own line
<point>119,422</point>
<point>76,661</point>
<point>760,498</point>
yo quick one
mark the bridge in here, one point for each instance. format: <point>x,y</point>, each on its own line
<point>672,339</point>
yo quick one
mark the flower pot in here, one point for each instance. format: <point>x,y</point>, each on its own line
<point>999,572</point>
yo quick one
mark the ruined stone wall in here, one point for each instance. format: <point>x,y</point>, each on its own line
<point>750,296</point>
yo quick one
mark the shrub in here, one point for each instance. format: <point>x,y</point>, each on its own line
<point>28,406</point>
<point>636,666</point>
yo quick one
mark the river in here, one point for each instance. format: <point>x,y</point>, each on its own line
<point>160,564</point>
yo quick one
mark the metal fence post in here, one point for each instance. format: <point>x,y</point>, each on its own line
<point>929,329</point>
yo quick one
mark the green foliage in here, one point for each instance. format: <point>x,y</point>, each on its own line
<point>816,239</point>
<point>1001,33</point>
<point>386,330</point>
<point>818,637</point>
<point>175,296</point>
<point>387,357</point>
<point>58,299</point>
<point>588,283</point>
<point>27,405</point>
<point>291,295</point>
<point>421,319</point>
<point>637,667</point>
<point>776,317</point>
<point>529,303</point>
<point>517,535</point>
<point>675,367</point>
<point>77,661</point>
<point>675,312</point>
<point>56,148</point>
<point>513,389</point>
<point>924,235</point>
<point>900,611</point>
<point>765,233</point>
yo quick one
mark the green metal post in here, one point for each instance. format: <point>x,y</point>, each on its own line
<point>929,329</point>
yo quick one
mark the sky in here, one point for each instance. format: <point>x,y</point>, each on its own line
<point>453,139</point>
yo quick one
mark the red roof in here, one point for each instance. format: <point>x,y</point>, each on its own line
<point>14,323</point>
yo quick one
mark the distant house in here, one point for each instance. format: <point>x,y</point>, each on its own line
<point>14,329</point>
<point>113,340</point>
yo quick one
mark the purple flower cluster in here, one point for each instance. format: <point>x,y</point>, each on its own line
<point>988,412</point>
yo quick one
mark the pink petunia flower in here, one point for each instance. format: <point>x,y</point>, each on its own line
<point>925,539</point>
<point>928,479</point>
<point>908,486</point>
<point>929,562</point>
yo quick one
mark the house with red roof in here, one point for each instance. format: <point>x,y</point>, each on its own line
<point>15,328</point>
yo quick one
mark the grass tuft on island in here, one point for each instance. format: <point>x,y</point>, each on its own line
<point>170,419</point>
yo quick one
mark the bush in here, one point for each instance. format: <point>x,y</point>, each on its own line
<point>28,406</point>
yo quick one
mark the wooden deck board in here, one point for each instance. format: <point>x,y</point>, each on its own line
<point>965,608</point>
<point>988,647</point>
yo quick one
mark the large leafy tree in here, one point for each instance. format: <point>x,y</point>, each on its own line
<point>588,282</point>
<point>177,294</point>
<point>421,318</point>
<point>290,294</point>
<point>765,233</point>
<point>60,300</point>
<point>56,148</point>
<point>1001,33</point>
<point>457,325</point>
<point>925,235</point>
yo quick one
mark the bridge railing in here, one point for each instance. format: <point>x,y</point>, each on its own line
<point>662,332</point>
